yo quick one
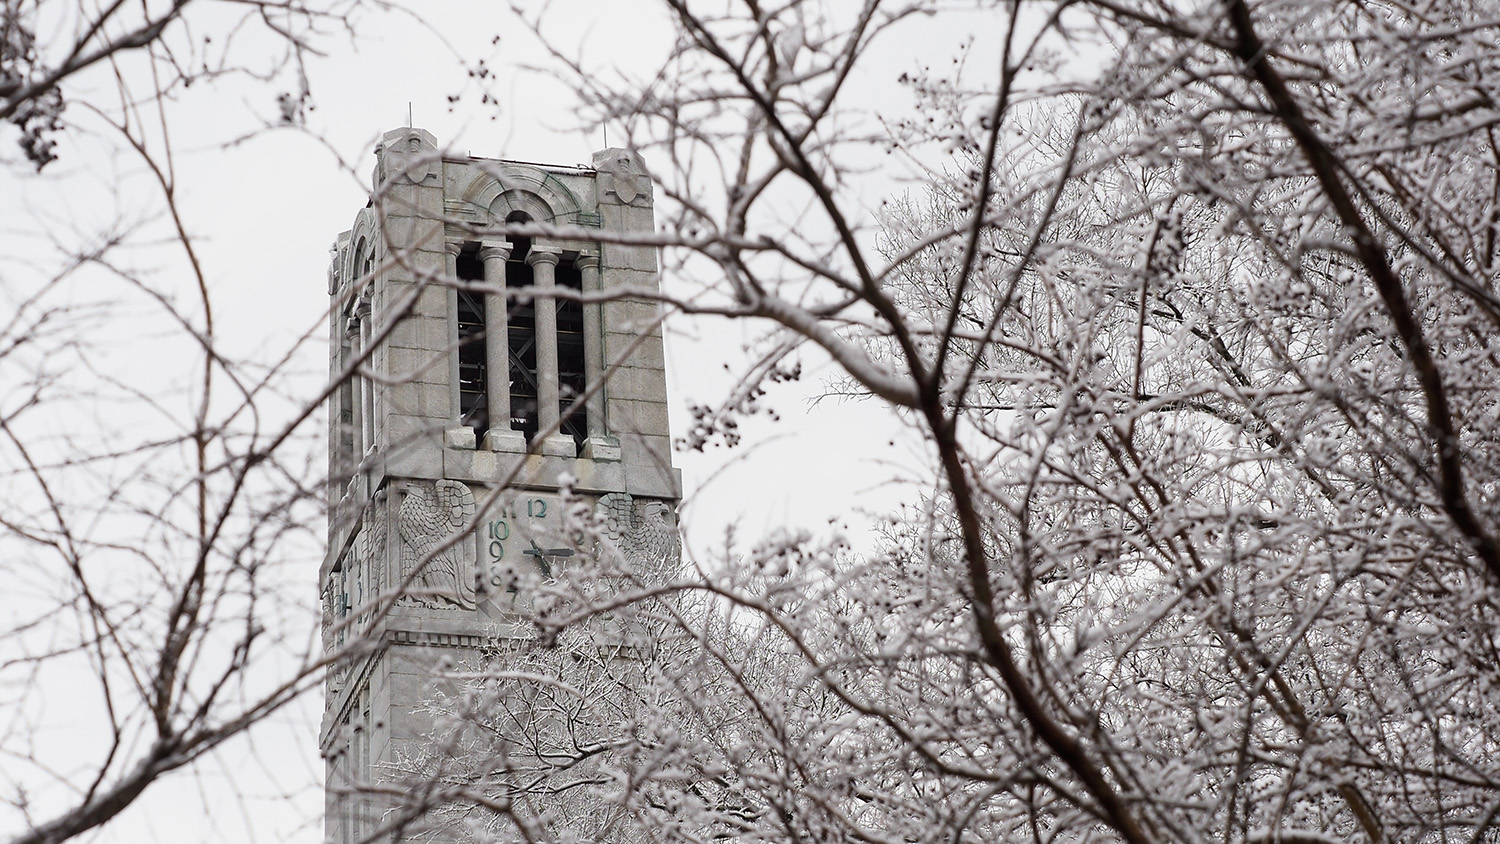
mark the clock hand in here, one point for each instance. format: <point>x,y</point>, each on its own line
<point>542,555</point>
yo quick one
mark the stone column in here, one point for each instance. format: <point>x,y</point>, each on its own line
<point>499,437</point>
<point>599,445</point>
<point>543,261</point>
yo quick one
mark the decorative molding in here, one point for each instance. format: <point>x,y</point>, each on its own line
<point>370,547</point>
<point>440,640</point>
<point>500,249</point>
<point>502,187</point>
<point>542,253</point>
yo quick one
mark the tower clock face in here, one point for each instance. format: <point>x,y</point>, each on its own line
<point>521,543</point>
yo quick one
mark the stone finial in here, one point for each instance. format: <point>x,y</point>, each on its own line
<point>622,173</point>
<point>407,153</point>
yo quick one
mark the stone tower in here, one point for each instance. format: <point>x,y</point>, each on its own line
<point>488,382</point>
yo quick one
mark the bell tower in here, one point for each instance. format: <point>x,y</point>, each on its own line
<point>497,348</point>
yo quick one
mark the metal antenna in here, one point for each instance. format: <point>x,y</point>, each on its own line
<point>408,114</point>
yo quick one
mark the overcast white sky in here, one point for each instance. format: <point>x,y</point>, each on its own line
<point>266,211</point>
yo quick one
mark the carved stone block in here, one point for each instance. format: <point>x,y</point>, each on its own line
<point>437,558</point>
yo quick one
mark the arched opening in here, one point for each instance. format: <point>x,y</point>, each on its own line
<point>346,393</point>
<point>351,390</point>
<point>522,329</point>
<point>504,348</point>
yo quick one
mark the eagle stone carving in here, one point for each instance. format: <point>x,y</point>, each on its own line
<point>644,531</point>
<point>433,521</point>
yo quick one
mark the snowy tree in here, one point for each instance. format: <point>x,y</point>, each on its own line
<point>1194,307</point>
